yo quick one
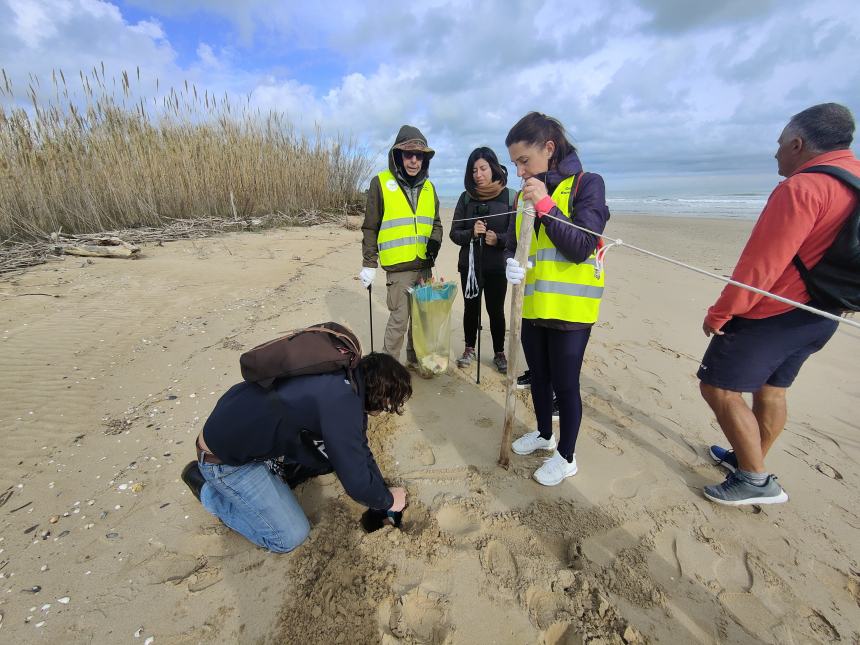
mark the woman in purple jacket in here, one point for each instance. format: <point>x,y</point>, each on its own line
<point>562,291</point>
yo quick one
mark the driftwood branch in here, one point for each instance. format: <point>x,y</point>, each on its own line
<point>104,247</point>
<point>20,254</point>
<point>516,319</point>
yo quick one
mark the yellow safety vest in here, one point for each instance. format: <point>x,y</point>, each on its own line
<point>556,288</point>
<point>403,234</point>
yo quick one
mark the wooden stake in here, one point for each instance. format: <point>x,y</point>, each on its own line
<point>522,257</point>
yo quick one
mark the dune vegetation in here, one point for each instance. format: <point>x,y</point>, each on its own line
<point>105,157</point>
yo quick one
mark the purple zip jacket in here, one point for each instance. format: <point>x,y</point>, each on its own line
<point>591,213</point>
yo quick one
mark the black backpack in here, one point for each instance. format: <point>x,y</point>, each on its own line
<point>834,283</point>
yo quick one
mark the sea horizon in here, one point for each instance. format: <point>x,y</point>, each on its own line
<point>737,205</point>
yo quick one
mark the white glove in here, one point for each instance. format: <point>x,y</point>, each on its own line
<point>366,276</point>
<point>514,272</point>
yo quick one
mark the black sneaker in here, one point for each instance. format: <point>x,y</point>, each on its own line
<point>554,407</point>
<point>193,478</point>
<point>524,382</point>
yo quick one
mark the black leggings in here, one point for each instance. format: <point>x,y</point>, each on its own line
<point>493,295</point>
<point>555,360</point>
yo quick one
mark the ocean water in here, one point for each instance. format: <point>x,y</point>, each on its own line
<point>734,206</point>
<point>731,205</point>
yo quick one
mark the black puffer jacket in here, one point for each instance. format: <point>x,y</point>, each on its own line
<point>463,225</point>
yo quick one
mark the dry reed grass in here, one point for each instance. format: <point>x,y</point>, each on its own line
<point>106,158</point>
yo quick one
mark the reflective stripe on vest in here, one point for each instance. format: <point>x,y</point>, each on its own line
<point>403,235</point>
<point>556,288</point>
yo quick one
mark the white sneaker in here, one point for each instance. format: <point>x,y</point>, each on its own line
<point>532,441</point>
<point>555,470</point>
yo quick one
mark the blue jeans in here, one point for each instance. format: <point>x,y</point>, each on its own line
<point>255,503</point>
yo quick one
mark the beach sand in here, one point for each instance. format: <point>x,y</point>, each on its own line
<point>108,369</point>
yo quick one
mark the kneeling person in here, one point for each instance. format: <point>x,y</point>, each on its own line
<point>316,424</point>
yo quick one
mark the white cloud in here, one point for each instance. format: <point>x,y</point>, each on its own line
<point>645,86</point>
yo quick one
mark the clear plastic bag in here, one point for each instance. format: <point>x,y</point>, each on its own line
<point>431,325</point>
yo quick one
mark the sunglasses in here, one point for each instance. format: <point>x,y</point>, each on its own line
<point>409,154</point>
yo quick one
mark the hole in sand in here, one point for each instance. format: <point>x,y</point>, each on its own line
<point>455,520</point>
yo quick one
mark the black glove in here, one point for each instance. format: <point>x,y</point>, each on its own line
<point>433,250</point>
<point>373,520</point>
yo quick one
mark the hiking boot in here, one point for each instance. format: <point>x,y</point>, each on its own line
<point>524,381</point>
<point>555,470</point>
<point>554,407</point>
<point>501,362</point>
<point>724,457</point>
<point>736,491</point>
<point>532,441</point>
<point>193,478</point>
<point>468,356</point>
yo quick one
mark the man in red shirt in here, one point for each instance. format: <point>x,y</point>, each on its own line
<point>759,344</point>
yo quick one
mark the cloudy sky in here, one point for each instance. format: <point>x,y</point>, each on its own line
<point>659,95</point>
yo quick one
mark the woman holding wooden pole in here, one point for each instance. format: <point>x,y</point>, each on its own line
<point>562,292</point>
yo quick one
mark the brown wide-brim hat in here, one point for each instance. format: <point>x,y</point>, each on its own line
<point>418,145</point>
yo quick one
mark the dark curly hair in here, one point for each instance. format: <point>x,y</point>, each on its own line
<point>387,384</point>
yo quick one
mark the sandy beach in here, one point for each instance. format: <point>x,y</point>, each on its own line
<point>108,369</point>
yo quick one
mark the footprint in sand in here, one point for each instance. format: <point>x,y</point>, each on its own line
<point>204,579</point>
<point>542,606</point>
<point>562,633</point>
<point>660,399</point>
<point>828,471</point>
<point>420,617</point>
<point>602,439</point>
<point>750,613</point>
<point>424,454</point>
<point>457,521</point>
<point>498,560</point>
<point>602,549</point>
<point>733,573</point>
<point>629,487</point>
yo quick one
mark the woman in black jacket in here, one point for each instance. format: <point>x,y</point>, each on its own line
<point>480,226</point>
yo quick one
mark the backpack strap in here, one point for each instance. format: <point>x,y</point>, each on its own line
<point>838,173</point>
<point>835,171</point>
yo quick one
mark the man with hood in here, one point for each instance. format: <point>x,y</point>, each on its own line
<point>402,232</point>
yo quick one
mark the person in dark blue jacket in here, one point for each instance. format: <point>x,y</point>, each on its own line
<point>311,425</point>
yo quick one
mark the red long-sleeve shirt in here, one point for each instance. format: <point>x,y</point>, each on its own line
<point>803,215</point>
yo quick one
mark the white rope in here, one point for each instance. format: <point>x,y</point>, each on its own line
<point>471,279</point>
<point>799,305</point>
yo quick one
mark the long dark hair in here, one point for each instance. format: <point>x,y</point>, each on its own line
<point>387,384</point>
<point>536,129</point>
<point>500,173</point>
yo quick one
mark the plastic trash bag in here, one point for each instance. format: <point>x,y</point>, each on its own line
<point>431,325</point>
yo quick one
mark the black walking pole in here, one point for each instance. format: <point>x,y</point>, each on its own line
<point>370,306</point>
<point>480,272</point>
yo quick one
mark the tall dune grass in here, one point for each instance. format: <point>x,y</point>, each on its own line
<point>106,158</point>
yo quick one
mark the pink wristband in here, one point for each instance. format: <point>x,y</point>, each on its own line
<point>544,206</point>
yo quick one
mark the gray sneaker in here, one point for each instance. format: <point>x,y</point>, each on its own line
<point>736,491</point>
<point>466,359</point>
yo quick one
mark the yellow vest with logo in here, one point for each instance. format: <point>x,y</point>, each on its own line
<point>403,234</point>
<point>556,288</point>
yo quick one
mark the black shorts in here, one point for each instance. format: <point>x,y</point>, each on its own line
<point>755,352</point>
